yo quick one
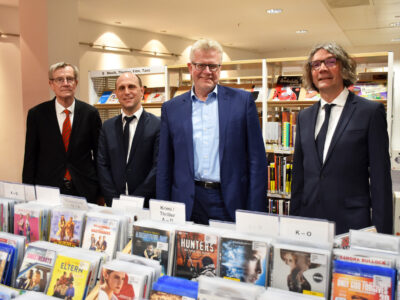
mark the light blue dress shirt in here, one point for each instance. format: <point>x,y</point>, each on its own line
<point>205,122</point>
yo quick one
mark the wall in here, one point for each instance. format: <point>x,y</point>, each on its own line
<point>12,123</point>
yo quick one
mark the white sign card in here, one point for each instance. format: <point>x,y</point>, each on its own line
<point>48,195</point>
<point>128,201</point>
<point>2,188</point>
<point>30,193</point>
<point>14,191</point>
<point>257,223</point>
<point>167,211</point>
<point>74,202</point>
<point>306,229</point>
<point>222,224</point>
<point>374,241</point>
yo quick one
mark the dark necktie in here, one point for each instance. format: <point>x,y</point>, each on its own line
<point>321,137</point>
<point>126,134</point>
<point>66,132</point>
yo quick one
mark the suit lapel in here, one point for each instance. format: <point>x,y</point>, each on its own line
<point>75,124</point>
<point>188,129</point>
<point>311,132</point>
<point>119,138</point>
<point>224,113</point>
<point>348,110</point>
<point>138,135</point>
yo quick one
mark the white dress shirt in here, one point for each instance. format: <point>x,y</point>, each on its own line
<point>61,115</point>
<point>336,112</point>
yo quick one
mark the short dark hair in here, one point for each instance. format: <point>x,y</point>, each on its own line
<point>347,65</point>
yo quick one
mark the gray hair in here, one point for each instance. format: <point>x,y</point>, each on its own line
<point>205,45</point>
<point>348,65</point>
<point>61,65</point>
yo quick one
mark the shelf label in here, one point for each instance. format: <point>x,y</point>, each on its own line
<point>257,223</point>
<point>128,201</point>
<point>14,191</point>
<point>167,211</point>
<point>117,72</point>
<point>74,202</point>
<point>48,195</point>
<point>306,229</point>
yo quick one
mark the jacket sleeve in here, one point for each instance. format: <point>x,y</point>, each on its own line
<point>31,150</point>
<point>257,161</point>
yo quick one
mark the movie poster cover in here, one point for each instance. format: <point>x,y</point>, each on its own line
<point>305,272</point>
<point>152,243</point>
<point>124,286</point>
<point>4,256</point>
<point>27,223</point>
<point>36,269</point>
<point>243,260</point>
<point>66,228</point>
<point>158,295</point>
<point>100,234</point>
<point>196,254</point>
<point>362,282</point>
<point>69,278</point>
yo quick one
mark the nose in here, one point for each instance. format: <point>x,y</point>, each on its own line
<point>323,66</point>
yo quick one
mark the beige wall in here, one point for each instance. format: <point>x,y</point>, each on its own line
<point>12,123</point>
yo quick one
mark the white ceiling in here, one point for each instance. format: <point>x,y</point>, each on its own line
<point>246,25</point>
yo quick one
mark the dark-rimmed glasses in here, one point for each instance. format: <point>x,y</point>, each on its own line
<point>328,62</point>
<point>202,67</point>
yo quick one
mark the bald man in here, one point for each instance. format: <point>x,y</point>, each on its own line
<point>128,145</point>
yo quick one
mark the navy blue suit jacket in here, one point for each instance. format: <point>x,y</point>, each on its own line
<point>355,176</point>
<point>243,164</point>
<point>45,156</point>
<point>140,170</point>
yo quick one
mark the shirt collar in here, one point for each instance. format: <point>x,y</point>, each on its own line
<point>339,100</point>
<point>137,114</point>
<point>60,109</point>
<point>194,97</point>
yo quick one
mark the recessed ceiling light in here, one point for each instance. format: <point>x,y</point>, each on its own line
<point>301,31</point>
<point>396,40</point>
<point>395,24</point>
<point>3,35</point>
<point>274,11</point>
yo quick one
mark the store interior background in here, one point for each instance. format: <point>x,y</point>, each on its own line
<point>54,30</point>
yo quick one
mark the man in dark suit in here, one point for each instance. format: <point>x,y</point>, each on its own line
<point>61,138</point>
<point>212,155</point>
<point>341,167</point>
<point>128,145</point>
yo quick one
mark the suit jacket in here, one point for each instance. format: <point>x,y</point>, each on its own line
<point>243,164</point>
<point>45,157</point>
<point>355,176</point>
<point>140,171</point>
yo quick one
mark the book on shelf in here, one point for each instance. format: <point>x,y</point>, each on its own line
<point>280,175</point>
<point>370,90</point>
<point>108,97</point>
<point>287,89</point>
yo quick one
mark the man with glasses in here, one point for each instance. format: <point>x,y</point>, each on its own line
<point>211,154</point>
<point>341,167</point>
<point>61,138</point>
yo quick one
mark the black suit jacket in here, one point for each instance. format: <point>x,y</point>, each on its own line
<point>140,171</point>
<point>355,176</point>
<point>45,157</point>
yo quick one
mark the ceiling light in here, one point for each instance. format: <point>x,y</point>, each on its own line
<point>274,11</point>
<point>301,31</point>
<point>3,35</point>
<point>396,40</point>
<point>395,24</point>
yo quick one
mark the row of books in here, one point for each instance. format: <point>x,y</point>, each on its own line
<point>278,206</point>
<point>282,130</point>
<point>280,175</point>
<point>109,97</point>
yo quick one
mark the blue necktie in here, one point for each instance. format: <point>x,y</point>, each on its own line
<point>321,137</point>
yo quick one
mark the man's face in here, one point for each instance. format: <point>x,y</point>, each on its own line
<point>205,80</point>
<point>115,281</point>
<point>64,83</point>
<point>129,93</point>
<point>327,79</point>
<point>253,268</point>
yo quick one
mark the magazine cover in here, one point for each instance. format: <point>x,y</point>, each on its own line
<point>119,285</point>
<point>196,254</point>
<point>243,260</point>
<point>69,278</point>
<point>66,227</point>
<point>4,257</point>
<point>152,243</point>
<point>35,270</point>
<point>362,282</point>
<point>305,272</point>
<point>27,223</point>
<point>100,234</point>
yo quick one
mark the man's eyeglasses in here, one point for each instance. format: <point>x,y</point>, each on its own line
<point>202,67</point>
<point>60,80</point>
<point>329,63</point>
